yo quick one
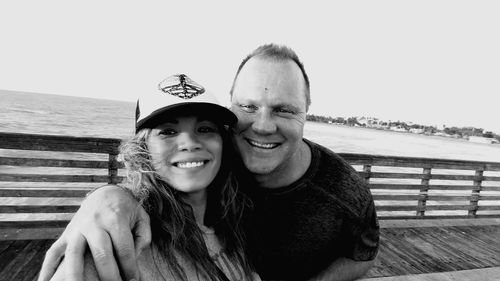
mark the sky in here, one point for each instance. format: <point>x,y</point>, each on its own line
<point>430,62</point>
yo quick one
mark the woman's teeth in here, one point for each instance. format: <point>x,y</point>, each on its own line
<point>187,165</point>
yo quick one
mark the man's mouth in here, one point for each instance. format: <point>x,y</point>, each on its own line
<point>262,145</point>
<point>190,164</point>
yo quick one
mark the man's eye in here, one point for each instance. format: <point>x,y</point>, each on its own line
<point>248,108</point>
<point>284,111</point>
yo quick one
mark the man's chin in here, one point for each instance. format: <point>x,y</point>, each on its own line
<point>259,167</point>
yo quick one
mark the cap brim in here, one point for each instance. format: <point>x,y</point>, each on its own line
<point>211,111</point>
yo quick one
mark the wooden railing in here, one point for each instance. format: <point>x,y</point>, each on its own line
<point>417,188</point>
<point>43,179</point>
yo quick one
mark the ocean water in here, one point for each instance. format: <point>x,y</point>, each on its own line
<point>77,116</point>
<point>65,115</point>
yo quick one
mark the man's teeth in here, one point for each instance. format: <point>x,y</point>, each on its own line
<point>187,165</point>
<point>263,145</point>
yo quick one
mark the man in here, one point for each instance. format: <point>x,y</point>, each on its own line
<point>313,216</point>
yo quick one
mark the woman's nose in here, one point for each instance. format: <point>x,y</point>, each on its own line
<point>188,142</point>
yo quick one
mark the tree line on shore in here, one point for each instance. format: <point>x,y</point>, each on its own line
<point>461,132</point>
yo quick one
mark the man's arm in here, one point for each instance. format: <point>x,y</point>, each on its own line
<point>113,223</point>
<point>343,269</point>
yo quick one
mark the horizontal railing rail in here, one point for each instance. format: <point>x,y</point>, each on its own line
<point>432,189</point>
<point>43,179</point>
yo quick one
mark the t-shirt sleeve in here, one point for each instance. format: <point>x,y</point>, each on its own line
<point>363,233</point>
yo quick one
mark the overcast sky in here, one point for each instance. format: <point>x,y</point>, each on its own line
<point>430,62</point>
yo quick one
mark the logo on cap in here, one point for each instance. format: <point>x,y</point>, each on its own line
<point>181,86</point>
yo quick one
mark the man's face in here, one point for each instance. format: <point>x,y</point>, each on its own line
<point>269,100</point>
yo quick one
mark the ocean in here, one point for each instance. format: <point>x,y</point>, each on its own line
<point>76,116</point>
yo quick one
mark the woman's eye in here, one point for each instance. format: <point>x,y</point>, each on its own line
<point>207,129</point>
<point>167,132</point>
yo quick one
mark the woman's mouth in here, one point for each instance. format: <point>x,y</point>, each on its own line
<point>189,164</point>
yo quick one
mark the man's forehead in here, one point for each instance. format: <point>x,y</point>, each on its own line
<point>265,79</point>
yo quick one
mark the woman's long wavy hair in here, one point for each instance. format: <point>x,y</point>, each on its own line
<point>173,225</point>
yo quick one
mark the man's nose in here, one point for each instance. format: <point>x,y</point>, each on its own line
<point>264,123</point>
<point>188,142</point>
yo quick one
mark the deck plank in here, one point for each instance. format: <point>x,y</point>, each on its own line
<point>483,274</point>
<point>21,259</point>
<point>420,250</point>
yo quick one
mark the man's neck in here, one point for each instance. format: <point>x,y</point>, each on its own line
<point>288,173</point>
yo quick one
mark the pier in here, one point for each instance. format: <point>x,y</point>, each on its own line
<point>439,218</point>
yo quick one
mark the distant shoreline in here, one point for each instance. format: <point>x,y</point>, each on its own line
<point>442,136</point>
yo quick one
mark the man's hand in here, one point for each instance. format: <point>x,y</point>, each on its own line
<point>113,223</point>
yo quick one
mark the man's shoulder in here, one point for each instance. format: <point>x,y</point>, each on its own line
<point>328,160</point>
<point>337,178</point>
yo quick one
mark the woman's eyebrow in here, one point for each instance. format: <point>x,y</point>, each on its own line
<point>168,121</point>
<point>205,118</point>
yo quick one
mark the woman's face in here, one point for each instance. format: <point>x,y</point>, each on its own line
<point>186,152</point>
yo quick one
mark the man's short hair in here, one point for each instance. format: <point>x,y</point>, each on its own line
<point>278,53</point>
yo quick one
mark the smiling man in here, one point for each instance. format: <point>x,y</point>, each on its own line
<point>269,99</point>
<point>313,216</point>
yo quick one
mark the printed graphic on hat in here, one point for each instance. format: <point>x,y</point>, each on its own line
<point>181,86</point>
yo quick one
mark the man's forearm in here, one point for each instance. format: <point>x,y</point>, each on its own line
<point>343,269</point>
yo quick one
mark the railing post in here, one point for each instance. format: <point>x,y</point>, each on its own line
<point>112,168</point>
<point>367,168</point>
<point>476,189</point>
<point>423,194</point>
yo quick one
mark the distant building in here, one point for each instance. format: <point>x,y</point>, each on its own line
<point>368,121</point>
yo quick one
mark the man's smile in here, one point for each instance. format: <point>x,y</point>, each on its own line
<point>263,145</point>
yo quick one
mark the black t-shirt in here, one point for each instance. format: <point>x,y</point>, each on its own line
<point>295,232</point>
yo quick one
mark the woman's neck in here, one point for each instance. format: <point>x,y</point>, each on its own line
<point>198,202</point>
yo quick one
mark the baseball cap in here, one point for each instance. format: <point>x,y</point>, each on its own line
<point>179,94</point>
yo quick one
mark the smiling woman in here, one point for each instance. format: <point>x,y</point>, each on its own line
<point>179,165</point>
<point>186,152</point>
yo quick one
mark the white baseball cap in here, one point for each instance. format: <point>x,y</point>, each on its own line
<point>178,94</point>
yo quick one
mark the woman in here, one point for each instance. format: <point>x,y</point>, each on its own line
<point>179,165</point>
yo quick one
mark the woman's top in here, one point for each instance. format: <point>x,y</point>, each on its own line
<point>152,267</point>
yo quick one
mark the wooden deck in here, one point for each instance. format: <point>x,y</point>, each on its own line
<point>418,248</point>
<point>20,260</point>
<point>407,248</point>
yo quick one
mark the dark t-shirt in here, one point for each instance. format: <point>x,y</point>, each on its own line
<point>295,232</point>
